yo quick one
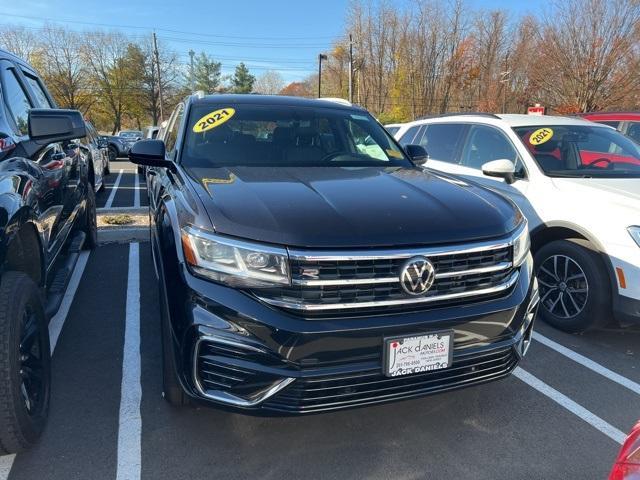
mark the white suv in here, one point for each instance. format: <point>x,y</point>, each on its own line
<point>577,182</point>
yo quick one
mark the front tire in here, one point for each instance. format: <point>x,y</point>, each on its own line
<point>575,294</point>
<point>113,154</point>
<point>90,221</point>
<point>25,363</point>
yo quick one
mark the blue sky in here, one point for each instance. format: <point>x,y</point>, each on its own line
<point>284,35</point>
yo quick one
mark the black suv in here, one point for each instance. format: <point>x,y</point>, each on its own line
<point>308,263</point>
<point>47,214</point>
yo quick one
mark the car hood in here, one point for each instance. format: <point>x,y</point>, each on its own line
<point>349,207</point>
<point>619,191</point>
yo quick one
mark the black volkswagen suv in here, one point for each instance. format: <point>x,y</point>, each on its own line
<point>307,263</point>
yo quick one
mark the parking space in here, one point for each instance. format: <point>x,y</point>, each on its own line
<point>561,416</point>
<point>124,187</point>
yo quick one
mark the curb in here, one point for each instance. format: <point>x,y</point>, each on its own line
<point>123,235</point>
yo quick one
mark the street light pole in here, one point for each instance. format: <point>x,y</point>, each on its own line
<point>321,56</point>
<point>350,68</point>
<point>191,54</point>
<point>157,56</point>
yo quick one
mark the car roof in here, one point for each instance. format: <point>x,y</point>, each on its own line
<point>5,55</point>
<point>254,99</point>
<point>619,116</point>
<point>512,120</point>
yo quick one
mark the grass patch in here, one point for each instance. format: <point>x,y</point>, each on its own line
<point>121,219</point>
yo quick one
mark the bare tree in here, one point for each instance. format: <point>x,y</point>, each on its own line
<point>269,83</point>
<point>19,40</point>
<point>588,52</point>
<point>113,79</point>
<point>60,62</point>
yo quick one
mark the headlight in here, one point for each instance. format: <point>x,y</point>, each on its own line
<point>521,244</point>
<point>635,234</point>
<point>234,262</point>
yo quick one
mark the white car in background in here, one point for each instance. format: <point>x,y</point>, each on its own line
<point>392,128</point>
<point>577,182</point>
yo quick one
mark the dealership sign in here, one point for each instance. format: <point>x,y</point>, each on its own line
<point>535,110</point>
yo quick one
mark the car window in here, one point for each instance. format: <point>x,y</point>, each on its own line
<point>407,137</point>
<point>486,144</point>
<point>171,134</point>
<point>442,141</point>
<point>286,135</point>
<point>17,100</point>
<point>41,97</point>
<point>633,131</point>
<point>582,151</point>
<point>611,123</point>
<point>392,130</point>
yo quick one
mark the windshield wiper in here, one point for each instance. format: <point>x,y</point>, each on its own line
<point>568,175</point>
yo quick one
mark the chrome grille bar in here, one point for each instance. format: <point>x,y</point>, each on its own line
<point>311,307</point>
<point>370,281</point>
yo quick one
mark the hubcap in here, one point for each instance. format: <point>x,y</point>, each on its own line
<point>564,289</point>
<point>31,363</point>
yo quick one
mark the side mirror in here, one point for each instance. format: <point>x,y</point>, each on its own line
<point>47,125</point>
<point>150,153</point>
<point>500,169</point>
<point>417,154</point>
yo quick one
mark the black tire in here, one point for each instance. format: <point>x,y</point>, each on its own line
<point>113,153</point>
<point>89,221</point>
<point>22,421</point>
<point>171,389</point>
<point>574,291</point>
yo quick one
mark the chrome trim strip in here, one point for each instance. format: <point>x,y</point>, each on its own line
<point>382,254</point>
<point>352,255</point>
<point>370,281</point>
<point>231,343</point>
<point>474,271</point>
<point>306,307</point>
<point>226,397</point>
<point>353,281</point>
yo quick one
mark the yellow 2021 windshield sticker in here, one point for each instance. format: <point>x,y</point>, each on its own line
<point>213,119</point>
<point>541,136</point>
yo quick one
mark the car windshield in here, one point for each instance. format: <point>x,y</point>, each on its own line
<point>581,151</point>
<point>392,130</point>
<point>130,134</point>
<point>287,135</point>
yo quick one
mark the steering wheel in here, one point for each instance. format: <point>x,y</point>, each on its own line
<point>598,160</point>
<point>332,156</point>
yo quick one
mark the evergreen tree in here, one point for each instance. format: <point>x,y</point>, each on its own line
<point>206,73</point>
<point>242,81</point>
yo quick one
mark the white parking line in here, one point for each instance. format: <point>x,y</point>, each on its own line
<point>57,321</point>
<point>578,410</point>
<point>588,363</point>
<point>114,189</point>
<point>136,192</point>
<point>55,328</point>
<point>130,424</point>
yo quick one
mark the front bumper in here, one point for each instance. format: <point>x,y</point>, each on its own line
<point>234,351</point>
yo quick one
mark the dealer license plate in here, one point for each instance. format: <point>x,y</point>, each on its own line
<point>417,353</point>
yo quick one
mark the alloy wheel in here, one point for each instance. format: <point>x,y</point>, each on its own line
<point>564,289</point>
<point>32,382</point>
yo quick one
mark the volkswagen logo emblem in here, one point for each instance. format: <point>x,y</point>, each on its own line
<point>417,276</point>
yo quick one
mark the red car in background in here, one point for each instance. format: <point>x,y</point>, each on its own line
<point>625,122</point>
<point>627,466</point>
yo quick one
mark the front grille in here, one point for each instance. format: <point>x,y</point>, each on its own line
<point>370,387</point>
<point>365,282</point>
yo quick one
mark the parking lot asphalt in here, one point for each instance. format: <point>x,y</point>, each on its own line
<point>122,187</point>
<point>561,416</point>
